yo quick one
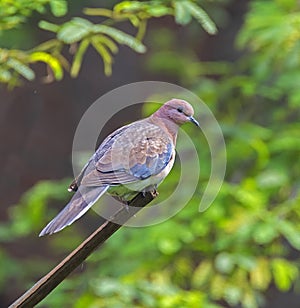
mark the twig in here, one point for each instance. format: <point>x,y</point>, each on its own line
<point>50,281</point>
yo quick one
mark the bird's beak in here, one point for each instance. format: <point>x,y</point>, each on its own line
<point>193,120</point>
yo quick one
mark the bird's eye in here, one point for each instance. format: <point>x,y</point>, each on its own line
<point>180,109</point>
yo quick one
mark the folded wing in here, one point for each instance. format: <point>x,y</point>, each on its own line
<point>133,153</point>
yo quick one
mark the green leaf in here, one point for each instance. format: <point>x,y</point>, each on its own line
<point>287,141</point>
<point>98,12</point>
<point>21,68</point>
<point>260,275</point>
<point>217,287</point>
<point>284,274</point>
<point>290,232</point>
<point>107,42</point>
<point>169,246</point>
<point>294,99</point>
<point>48,26</point>
<point>233,295</point>
<point>201,16</point>
<point>78,57</point>
<point>182,16</point>
<point>59,7</point>
<point>129,6</point>
<point>82,22</point>
<point>134,20</point>
<point>120,37</point>
<point>224,262</point>
<point>272,178</point>
<point>246,262</point>
<point>74,30</point>
<point>106,56</point>
<point>5,75</point>
<point>202,273</point>
<point>53,63</point>
<point>158,10</point>
<point>248,300</point>
<point>46,46</point>
<point>264,233</point>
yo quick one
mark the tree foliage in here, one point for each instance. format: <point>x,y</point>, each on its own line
<point>80,33</point>
<point>15,13</point>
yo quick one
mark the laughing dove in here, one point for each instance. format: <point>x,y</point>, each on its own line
<point>134,158</point>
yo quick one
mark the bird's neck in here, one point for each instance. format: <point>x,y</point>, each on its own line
<point>167,125</point>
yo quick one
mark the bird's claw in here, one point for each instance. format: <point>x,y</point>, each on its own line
<point>152,189</point>
<point>155,192</point>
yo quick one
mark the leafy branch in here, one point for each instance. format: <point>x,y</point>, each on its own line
<point>14,13</point>
<point>80,34</point>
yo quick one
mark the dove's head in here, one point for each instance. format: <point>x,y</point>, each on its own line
<point>177,111</point>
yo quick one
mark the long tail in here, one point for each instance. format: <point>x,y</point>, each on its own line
<point>84,198</point>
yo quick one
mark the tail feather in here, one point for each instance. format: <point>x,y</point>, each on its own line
<point>84,198</point>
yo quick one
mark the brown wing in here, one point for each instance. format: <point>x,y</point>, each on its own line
<point>134,152</point>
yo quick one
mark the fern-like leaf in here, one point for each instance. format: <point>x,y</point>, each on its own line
<point>59,7</point>
<point>5,75</point>
<point>74,30</point>
<point>120,37</point>
<point>78,57</point>
<point>201,16</point>
<point>182,15</point>
<point>21,68</point>
<point>48,26</point>
<point>106,56</point>
<point>53,63</point>
<point>110,44</point>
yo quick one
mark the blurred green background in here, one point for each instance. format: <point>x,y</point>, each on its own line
<point>241,252</point>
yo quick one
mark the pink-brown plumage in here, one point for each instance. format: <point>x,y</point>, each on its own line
<point>134,158</point>
<point>169,119</point>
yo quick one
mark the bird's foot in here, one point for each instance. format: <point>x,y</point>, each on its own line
<point>152,189</point>
<point>155,192</point>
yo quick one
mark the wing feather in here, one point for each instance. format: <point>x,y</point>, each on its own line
<point>132,153</point>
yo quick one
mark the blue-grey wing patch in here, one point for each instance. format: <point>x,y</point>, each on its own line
<point>153,165</point>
